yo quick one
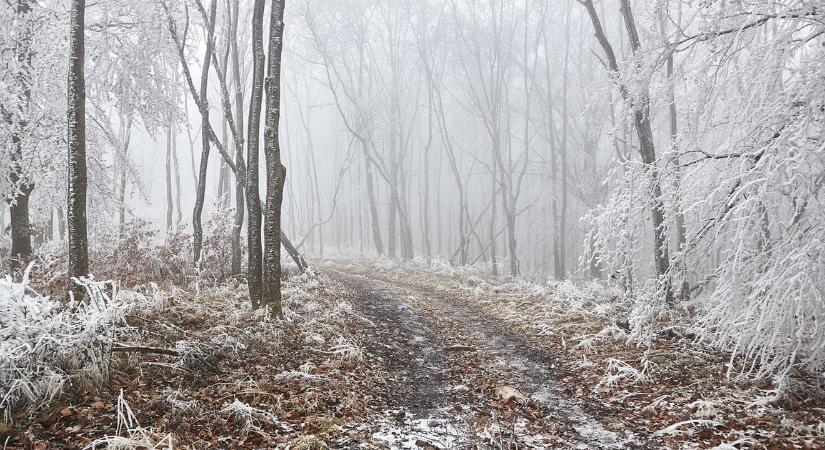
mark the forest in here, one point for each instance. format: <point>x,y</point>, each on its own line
<point>404,224</point>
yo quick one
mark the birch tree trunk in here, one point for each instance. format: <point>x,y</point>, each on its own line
<point>76,112</point>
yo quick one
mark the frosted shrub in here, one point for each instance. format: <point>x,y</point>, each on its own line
<point>751,172</point>
<point>46,344</point>
<point>142,254</point>
<point>216,255</point>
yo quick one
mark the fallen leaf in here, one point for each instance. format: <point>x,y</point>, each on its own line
<point>507,393</point>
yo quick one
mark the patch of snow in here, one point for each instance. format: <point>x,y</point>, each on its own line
<point>413,433</point>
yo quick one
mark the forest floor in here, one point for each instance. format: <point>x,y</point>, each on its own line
<point>382,355</point>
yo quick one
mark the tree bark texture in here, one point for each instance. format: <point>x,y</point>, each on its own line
<point>275,171</point>
<point>254,249</point>
<point>76,115</point>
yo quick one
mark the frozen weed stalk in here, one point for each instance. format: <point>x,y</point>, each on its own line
<point>129,434</point>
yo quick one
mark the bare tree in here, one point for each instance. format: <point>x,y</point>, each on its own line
<point>487,69</point>
<point>640,104</point>
<point>352,84</point>
<point>275,171</point>
<point>681,232</point>
<point>205,131</point>
<point>76,205</point>
<point>238,136</point>
<point>122,141</point>
<point>21,245</point>
<point>170,205</point>
<point>179,209</point>
<point>200,98</point>
<point>253,201</point>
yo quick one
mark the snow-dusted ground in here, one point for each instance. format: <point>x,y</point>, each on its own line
<point>465,380</point>
<point>652,380</point>
<point>386,355</point>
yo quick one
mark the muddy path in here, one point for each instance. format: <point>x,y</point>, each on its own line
<point>457,378</point>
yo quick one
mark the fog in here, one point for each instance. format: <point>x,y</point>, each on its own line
<point>428,86</point>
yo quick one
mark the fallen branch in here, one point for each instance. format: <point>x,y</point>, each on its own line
<point>141,349</point>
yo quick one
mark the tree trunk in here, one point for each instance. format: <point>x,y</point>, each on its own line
<point>392,227</point>
<point>493,253</point>
<point>275,171</point>
<point>224,191</point>
<point>76,198</point>
<point>255,255</point>
<point>426,201</point>
<point>21,246</point>
<point>515,270</point>
<point>48,227</point>
<point>374,224</point>
<point>239,162</point>
<point>641,119</point>
<point>170,206</point>
<point>126,134</point>
<point>392,211</point>
<point>561,271</point>
<point>316,184</point>
<point>179,209</point>
<point>644,132</point>
<point>192,140</point>
<point>558,270</point>
<point>61,219</point>
<point>681,233</point>
<point>197,228</point>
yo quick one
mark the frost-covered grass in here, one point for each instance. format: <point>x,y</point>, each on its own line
<point>248,419</point>
<point>47,344</point>
<point>130,435</point>
<point>226,368</point>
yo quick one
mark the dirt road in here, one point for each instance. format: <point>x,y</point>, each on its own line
<point>456,378</point>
